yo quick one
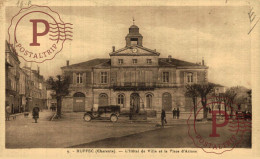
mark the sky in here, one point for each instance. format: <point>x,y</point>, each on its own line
<point>190,33</point>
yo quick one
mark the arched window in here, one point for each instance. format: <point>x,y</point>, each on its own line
<point>149,101</point>
<point>121,100</point>
<point>79,94</point>
<point>103,99</point>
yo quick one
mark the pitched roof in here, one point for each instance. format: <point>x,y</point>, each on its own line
<point>10,49</point>
<point>91,63</point>
<point>175,62</point>
<point>106,62</point>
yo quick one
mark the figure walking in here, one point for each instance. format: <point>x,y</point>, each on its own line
<point>35,113</point>
<point>163,117</point>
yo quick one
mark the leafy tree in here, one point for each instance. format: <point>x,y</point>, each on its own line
<point>202,90</point>
<point>229,97</point>
<point>60,85</point>
<point>191,92</point>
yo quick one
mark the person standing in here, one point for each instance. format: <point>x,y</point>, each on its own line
<point>174,113</point>
<point>163,117</point>
<point>178,113</point>
<point>7,112</point>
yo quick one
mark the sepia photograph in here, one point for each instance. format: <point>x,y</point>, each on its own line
<point>129,79</point>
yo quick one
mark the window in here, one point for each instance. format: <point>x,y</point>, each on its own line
<point>79,78</point>
<point>134,61</point>
<point>103,99</point>
<point>149,100</point>
<point>190,78</point>
<point>166,77</point>
<point>121,100</point>
<point>103,77</point>
<point>120,61</point>
<point>149,61</point>
<point>134,41</point>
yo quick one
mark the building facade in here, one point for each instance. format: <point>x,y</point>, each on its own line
<point>25,88</point>
<point>12,67</point>
<point>133,76</point>
<point>36,88</point>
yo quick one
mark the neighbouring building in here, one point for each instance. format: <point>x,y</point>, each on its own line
<point>133,76</point>
<point>12,67</point>
<point>23,91</point>
<point>37,89</point>
<point>25,88</point>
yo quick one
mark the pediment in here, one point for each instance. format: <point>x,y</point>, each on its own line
<point>135,51</point>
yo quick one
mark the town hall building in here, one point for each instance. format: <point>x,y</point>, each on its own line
<point>133,76</point>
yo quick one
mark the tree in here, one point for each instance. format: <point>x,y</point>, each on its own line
<point>203,90</point>
<point>60,85</point>
<point>191,92</point>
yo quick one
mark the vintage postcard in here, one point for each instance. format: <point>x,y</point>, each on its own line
<point>91,79</point>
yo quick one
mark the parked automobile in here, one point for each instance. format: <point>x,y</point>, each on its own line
<point>240,115</point>
<point>110,112</point>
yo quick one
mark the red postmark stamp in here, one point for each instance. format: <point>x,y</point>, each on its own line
<point>37,33</point>
<point>222,131</point>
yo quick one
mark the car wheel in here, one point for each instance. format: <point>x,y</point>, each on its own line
<point>87,117</point>
<point>113,118</point>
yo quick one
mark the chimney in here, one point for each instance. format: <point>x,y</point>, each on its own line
<point>202,61</point>
<point>169,58</point>
<point>113,48</point>
<point>68,62</point>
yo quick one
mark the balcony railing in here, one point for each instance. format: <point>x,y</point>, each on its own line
<point>134,85</point>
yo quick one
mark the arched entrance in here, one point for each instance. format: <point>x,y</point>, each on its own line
<point>103,99</point>
<point>167,101</point>
<point>79,102</point>
<point>135,102</point>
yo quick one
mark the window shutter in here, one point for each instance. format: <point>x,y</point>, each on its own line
<point>185,77</point>
<point>108,77</point>
<point>173,76</point>
<point>170,77</point>
<point>88,77</point>
<point>84,79</point>
<point>74,78</point>
<point>195,77</point>
<point>99,77</point>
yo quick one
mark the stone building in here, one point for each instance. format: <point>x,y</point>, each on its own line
<point>12,67</point>
<point>133,76</point>
<point>36,89</point>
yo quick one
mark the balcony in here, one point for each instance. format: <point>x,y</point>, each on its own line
<point>134,86</point>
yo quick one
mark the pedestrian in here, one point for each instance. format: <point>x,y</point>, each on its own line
<point>174,113</point>
<point>163,117</point>
<point>178,113</point>
<point>35,113</point>
<point>8,110</point>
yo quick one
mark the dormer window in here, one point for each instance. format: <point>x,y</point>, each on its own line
<point>149,61</point>
<point>120,61</point>
<point>134,61</point>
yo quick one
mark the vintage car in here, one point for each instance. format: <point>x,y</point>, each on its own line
<point>110,112</point>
